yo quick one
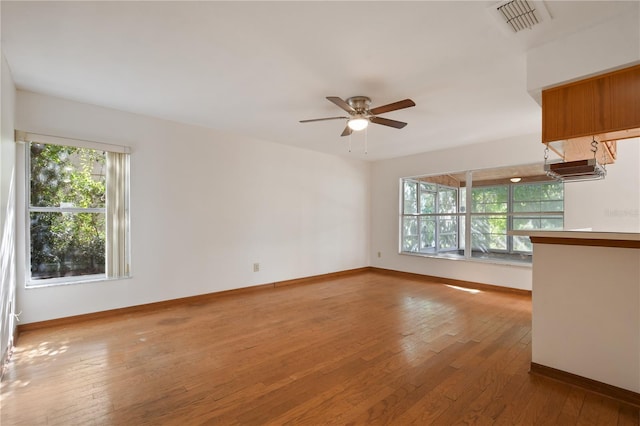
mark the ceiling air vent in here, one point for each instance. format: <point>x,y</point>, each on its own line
<point>571,171</point>
<point>520,14</point>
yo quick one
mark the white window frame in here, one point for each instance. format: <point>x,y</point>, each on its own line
<point>24,139</point>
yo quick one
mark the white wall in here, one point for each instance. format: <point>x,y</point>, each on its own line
<point>204,207</point>
<point>609,45</point>
<point>611,204</point>
<point>7,209</point>
<point>607,205</point>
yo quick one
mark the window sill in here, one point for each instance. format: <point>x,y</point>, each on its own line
<point>65,281</point>
<point>500,262</point>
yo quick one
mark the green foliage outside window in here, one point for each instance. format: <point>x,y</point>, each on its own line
<point>67,240</point>
<point>490,200</point>
<point>538,198</point>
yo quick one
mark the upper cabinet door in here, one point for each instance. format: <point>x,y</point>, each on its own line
<point>568,111</point>
<point>625,99</point>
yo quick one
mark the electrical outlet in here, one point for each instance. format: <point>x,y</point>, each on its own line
<point>256,267</point>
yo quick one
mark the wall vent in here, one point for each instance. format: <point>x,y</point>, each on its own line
<point>519,14</point>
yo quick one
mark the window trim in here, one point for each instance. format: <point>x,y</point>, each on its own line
<point>26,137</point>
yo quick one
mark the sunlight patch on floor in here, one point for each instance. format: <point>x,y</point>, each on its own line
<point>468,290</point>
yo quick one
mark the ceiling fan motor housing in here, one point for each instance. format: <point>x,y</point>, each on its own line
<point>359,103</point>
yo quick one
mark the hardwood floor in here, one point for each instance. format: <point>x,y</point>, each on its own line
<point>365,349</point>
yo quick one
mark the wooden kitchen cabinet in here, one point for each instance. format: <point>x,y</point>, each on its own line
<point>605,106</point>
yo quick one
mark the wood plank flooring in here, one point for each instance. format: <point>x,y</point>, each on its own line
<point>364,349</point>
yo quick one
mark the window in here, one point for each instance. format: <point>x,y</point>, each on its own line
<point>434,215</point>
<point>538,206</point>
<point>489,208</point>
<point>77,212</point>
<point>430,219</point>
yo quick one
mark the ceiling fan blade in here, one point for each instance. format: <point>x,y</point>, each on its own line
<point>387,122</point>
<point>342,104</point>
<point>323,119</point>
<point>347,131</point>
<point>392,107</point>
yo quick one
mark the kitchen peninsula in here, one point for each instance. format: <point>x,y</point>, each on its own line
<point>586,309</point>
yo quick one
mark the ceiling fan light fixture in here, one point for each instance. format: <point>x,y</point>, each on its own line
<point>360,115</point>
<point>358,123</point>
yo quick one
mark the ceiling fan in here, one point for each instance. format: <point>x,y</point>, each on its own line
<point>360,114</point>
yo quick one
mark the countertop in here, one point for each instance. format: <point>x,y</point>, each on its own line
<point>586,235</point>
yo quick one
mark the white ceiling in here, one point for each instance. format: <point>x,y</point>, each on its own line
<point>257,68</point>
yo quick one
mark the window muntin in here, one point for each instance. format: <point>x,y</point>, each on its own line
<point>439,226</point>
<point>78,228</point>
